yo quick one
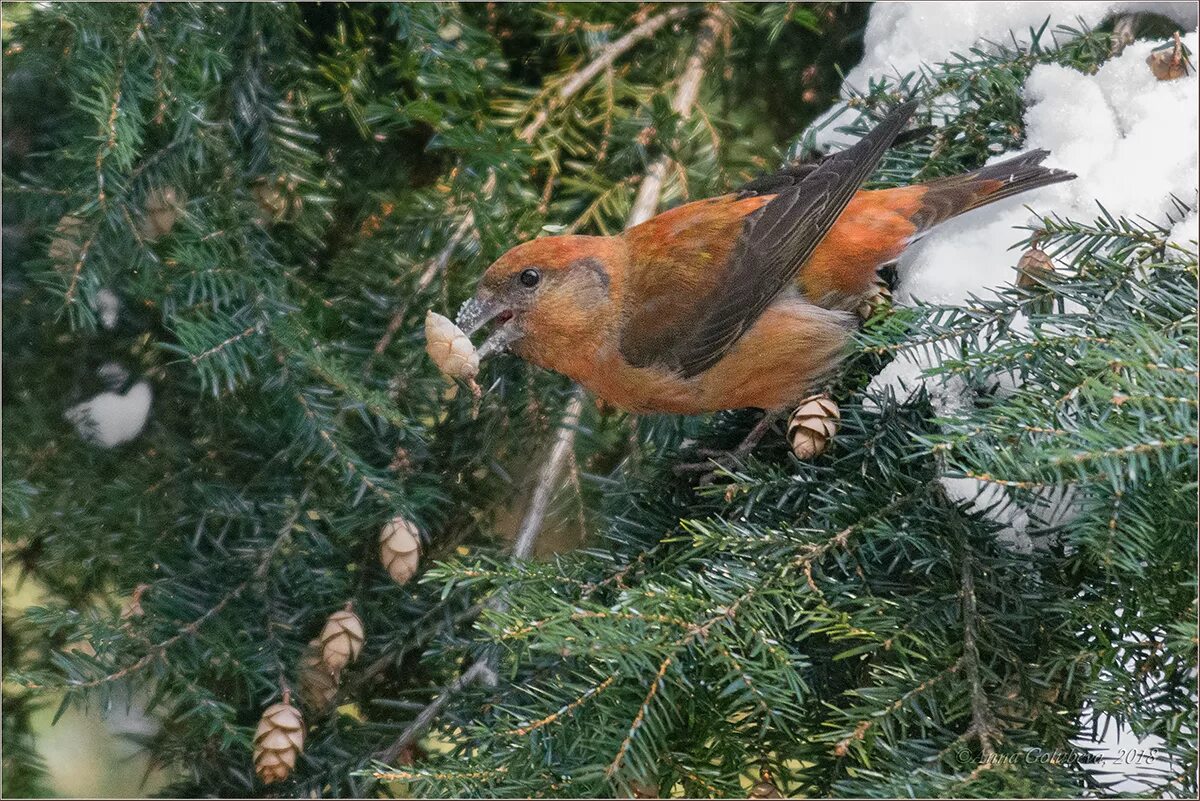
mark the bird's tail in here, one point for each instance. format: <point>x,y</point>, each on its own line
<point>948,197</point>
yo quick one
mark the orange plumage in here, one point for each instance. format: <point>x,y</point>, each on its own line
<point>736,301</point>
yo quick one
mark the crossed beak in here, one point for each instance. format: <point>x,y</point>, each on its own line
<point>481,310</point>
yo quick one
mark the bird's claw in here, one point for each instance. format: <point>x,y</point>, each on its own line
<point>726,460</point>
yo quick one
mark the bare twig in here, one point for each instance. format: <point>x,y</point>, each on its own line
<point>650,191</point>
<point>983,723</point>
<point>439,264</point>
<point>547,481</point>
<point>643,208</point>
<point>610,53</point>
<point>480,669</point>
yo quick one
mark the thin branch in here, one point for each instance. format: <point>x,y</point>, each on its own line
<point>437,265</point>
<point>109,131</point>
<point>640,718</point>
<point>337,450</point>
<point>478,670</point>
<point>610,53</point>
<point>647,201</point>
<point>565,709</point>
<point>548,476</point>
<point>442,260</point>
<point>215,349</point>
<point>983,723</point>
<point>711,31</point>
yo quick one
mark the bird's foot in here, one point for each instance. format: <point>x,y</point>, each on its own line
<point>727,459</point>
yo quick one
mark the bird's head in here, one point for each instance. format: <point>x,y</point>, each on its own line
<point>543,296</point>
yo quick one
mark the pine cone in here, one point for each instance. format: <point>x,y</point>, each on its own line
<point>765,789</point>
<point>400,549</point>
<point>449,347</point>
<point>276,200</point>
<point>1033,265</point>
<point>318,685</point>
<point>876,303</point>
<point>812,425</point>
<point>278,739</point>
<point>1168,64</point>
<point>1032,269</point>
<point>164,207</point>
<point>341,639</point>
<point>66,246</point>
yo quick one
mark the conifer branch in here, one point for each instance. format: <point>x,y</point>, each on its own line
<point>983,722</point>
<point>190,629</point>
<point>565,710</point>
<point>338,450</point>
<point>109,130</point>
<point>569,89</point>
<point>219,347</point>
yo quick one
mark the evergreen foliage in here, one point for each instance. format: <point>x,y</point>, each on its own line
<point>843,626</point>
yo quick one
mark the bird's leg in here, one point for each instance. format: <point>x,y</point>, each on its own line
<point>727,458</point>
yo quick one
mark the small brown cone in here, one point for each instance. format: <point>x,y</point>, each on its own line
<point>1033,265</point>
<point>164,207</point>
<point>341,639</point>
<point>1168,64</point>
<point>876,303</point>
<point>318,686</point>
<point>66,245</point>
<point>764,788</point>
<point>812,425</point>
<point>275,199</point>
<point>400,549</point>
<point>449,348</point>
<point>643,789</point>
<point>1032,269</point>
<point>278,740</point>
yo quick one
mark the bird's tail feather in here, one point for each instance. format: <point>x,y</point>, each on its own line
<point>949,197</point>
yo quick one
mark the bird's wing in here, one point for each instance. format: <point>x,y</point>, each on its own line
<point>794,172</point>
<point>691,330</point>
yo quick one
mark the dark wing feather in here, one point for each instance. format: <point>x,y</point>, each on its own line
<point>793,173</point>
<point>774,243</point>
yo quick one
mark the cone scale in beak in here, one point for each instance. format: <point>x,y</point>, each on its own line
<point>476,313</point>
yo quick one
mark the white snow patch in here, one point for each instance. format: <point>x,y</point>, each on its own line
<point>1186,232</point>
<point>109,419</point>
<point>112,374</point>
<point>900,37</point>
<point>108,306</point>
<point>1129,137</point>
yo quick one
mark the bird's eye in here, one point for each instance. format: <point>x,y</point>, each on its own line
<point>530,277</point>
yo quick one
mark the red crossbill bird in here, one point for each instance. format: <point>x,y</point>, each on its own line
<point>741,300</point>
